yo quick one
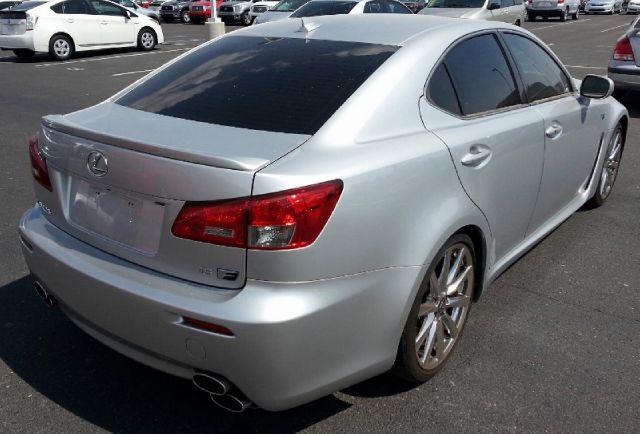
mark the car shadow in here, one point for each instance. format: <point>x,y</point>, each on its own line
<point>631,100</point>
<point>99,385</point>
<point>45,58</point>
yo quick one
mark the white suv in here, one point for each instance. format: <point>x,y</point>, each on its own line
<point>62,27</point>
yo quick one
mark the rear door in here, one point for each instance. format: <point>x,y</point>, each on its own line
<point>77,18</point>
<point>570,124</point>
<point>495,140</point>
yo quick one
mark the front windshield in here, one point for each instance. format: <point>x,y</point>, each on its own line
<point>455,3</point>
<point>289,5</point>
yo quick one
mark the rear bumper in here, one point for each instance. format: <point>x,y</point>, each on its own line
<point>16,42</point>
<point>200,14</point>
<point>546,12</point>
<point>598,9</point>
<point>625,78</point>
<point>229,16</point>
<point>292,343</point>
<point>170,14</point>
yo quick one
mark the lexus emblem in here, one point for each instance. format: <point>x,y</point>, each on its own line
<point>97,164</point>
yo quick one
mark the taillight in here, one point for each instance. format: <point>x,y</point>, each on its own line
<point>285,220</point>
<point>38,164</point>
<point>31,22</point>
<point>623,50</point>
<point>560,2</point>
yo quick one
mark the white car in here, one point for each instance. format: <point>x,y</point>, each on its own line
<point>259,8</point>
<point>603,6</point>
<point>63,27</point>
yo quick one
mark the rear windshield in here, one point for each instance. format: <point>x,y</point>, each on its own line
<point>323,7</point>
<point>288,5</point>
<point>285,84</point>
<point>27,5</point>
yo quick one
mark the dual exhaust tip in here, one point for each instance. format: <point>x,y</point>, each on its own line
<point>222,392</point>
<point>48,299</point>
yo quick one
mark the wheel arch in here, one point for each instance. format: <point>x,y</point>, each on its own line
<point>480,247</point>
<point>624,122</point>
<point>66,35</point>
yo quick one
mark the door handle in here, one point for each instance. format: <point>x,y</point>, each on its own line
<point>477,155</point>
<point>70,20</point>
<point>554,130</point>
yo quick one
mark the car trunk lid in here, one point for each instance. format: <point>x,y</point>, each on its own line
<point>13,22</point>
<point>121,176</point>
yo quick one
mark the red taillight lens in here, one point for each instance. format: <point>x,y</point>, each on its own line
<point>560,2</point>
<point>38,165</point>
<point>208,326</point>
<point>285,220</point>
<point>623,50</point>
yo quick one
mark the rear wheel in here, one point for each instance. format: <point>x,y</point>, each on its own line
<point>147,40</point>
<point>24,54</point>
<point>439,311</point>
<point>565,15</point>
<point>575,15</point>
<point>60,47</point>
<point>610,167</point>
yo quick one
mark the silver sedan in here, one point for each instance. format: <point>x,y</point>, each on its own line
<point>624,66</point>
<point>296,207</point>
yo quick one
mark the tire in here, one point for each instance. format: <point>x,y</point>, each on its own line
<point>438,326</point>
<point>147,39</point>
<point>184,17</point>
<point>609,171</point>
<point>61,47</point>
<point>245,19</point>
<point>23,54</point>
<point>564,15</point>
<point>575,15</point>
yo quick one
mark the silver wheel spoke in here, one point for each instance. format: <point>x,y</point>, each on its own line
<point>426,308</point>
<point>461,301</point>
<point>428,348</point>
<point>425,328</point>
<point>455,287</point>
<point>456,266</point>
<point>450,324</point>
<point>439,338</point>
<point>444,273</point>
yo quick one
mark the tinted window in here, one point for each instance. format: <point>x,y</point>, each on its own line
<point>75,7</point>
<point>104,8</point>
<point>6,5</point>
<point>289,5</point>
<point>455,4</point>
<point>541,75</point>
<point>481,76</point>
<point>27,5</point>
<point>376,7</point>
<point>441,91</point>
<point>315,8</point>
<point>506,3</point>
<point>287,85</point>
<point>398,8</point>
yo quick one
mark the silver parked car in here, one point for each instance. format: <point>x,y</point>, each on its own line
<point>274,217</point>
<point>562,9</point>
<point>624,66</point>
<point>316,8</point>
<point>603,7</point>
<point>280,11</point>
<point>507,11</point>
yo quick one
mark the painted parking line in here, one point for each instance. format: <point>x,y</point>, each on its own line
<point>585,67</point>
<point>132,72</point>
<point>533,29</point>
<point>97,59</point>
<point>613,28</point>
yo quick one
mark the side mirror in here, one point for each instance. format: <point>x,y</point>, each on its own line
<point>494,5</point>
<point>596,86</point>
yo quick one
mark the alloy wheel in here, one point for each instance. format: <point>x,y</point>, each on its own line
<point>147,40</point>
<point>61,48</point>
<point>611,165</point>
<point>444,307</point>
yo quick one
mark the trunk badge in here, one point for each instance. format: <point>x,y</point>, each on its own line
<point>97,164</point>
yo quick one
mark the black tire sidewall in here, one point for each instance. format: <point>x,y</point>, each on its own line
<point>52,52</point>
<point>184,17</point>
<point>155,39</point>
<point>406,364</point>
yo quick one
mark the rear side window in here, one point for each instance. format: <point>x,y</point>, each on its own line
<point>481,75</point>
<point>27,5</point>
<point>541,75</point>
<point>273,84</point>
<point>441,92</point>
<point>315,8</point>
<point>289,5</point>
<point>398,8</point>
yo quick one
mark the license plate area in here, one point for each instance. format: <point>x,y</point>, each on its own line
<point>119,217</point>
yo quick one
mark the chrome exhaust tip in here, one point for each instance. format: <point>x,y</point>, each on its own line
<point>231,402</point>
<point>212,384</point>
<point>48,299</point>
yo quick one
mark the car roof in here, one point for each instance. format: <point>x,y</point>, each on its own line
<point>387,29</point>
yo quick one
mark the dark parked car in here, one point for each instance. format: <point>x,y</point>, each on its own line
<point>8,4</point>
<point>175,10</point>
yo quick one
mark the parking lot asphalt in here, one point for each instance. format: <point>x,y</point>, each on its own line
<point>553,345</point>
